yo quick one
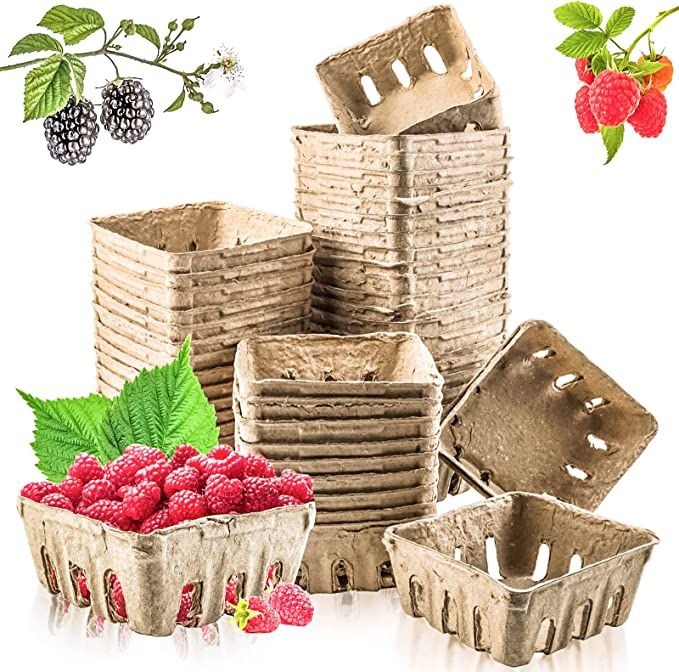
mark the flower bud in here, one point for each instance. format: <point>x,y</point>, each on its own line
<point>180,46</point>
<point>188,24</point>
<point>208,108</point>
<point>173,25</point>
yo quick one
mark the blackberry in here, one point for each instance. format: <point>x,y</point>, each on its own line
<point>72,132</point>
<point>127,111</point>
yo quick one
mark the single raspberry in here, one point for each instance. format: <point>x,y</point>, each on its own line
<point>83,588</point>
<point>110,513</point>
<point>288,500</point>
<point>197,462</point>
<point>223,494</point>
<point>583,110</point>
<point>221,452</point>
<point>122,470</point>
<point>72,487</point>
<point>663,78</point>
<point>37,490</point>
<point>232,466</point>
<point>232,594</point>
<point>584,70</point>
<point>184,478</point>
<point>157,473</point>
<point>117,597</point>
<point>145,454</point>
<point>126,110</point>
<point>99,488</point>
<point>86,467</point>
<point>142,500</point>
<point>260,494</point>
<point>186,505</point>
<point>256,465</point>
<point>256,615</point>
<point>156,521</point>
<point>181,454</point>
<point>58,501</point>
<point>613,97</point>
<point>296,485</point>
<point>185,604</point>
<point>649,119</point>
<point>72,132</point>
<point>272,577</point>
<point>293,604</point>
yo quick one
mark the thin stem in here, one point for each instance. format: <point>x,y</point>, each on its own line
<point>23,64</point>
<point>661,17</point>
<point>115,67</point>
<point>139,59</point>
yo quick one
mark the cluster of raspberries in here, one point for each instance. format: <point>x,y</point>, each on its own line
<point>612,98</point>
<point>142,490</point>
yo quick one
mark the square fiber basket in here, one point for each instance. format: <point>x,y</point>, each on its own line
<point>153,568</point>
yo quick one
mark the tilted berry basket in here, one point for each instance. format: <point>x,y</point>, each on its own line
<point>153,568</point>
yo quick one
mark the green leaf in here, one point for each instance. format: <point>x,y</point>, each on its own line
<point>178,102</point>
<point>64,428</point>
<point>149,33</point>
<point>35,42</point>
<point>47,88</point>
<point>620,21</point>
<point>74,24</point>
<point>579,15</point>
<point>78,70</point>
<point>163,407</point>
<point>647,67</point>
<point>612,137</point>
<point>600,62</point>
<point>582,44</point>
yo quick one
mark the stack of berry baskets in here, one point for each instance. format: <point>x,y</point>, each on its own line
<point>411,235</point>
<point>214,271</point>
<point>361,416</point>
<point>155,542</point>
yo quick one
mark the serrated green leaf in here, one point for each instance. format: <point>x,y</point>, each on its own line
<point>64,428</point>
<point>29,44</point>
<point>579,15</point>
<point>647,67</point>
<point>178,102</point>
<point>78,70</point>
<point>47,88</point>
<point>620,21</point>
<point>163,407</point>
<point>612,137</point>
<point>582,44</point>
<point>600,62</point>
<point>73,23</point>
<point>149,33</point>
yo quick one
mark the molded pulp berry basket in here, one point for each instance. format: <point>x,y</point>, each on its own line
<point>424,89</point>
<point>153,568</point>
<point>518,573</point>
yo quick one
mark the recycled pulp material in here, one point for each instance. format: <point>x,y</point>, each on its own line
<point>153,568</point>
<point>542,418</point>
<point>201,237</point>
<point>371,482</point>
<point>429,92</point>
<point>444,572</point>
<point>379,365</point>
<point>380,514</point>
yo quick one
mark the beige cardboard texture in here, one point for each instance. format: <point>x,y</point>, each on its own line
<point>542,418</point>
<point>153,568</point>
<point>491,596</point>
<point>385,510</point>
<point>429,91</point>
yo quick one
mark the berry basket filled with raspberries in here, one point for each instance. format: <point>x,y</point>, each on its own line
<point>156,540</point>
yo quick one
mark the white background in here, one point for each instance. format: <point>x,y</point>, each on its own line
<point>594,251</point>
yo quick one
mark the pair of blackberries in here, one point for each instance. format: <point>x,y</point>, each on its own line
<point>126,113</point>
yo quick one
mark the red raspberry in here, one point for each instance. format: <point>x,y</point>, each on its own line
<point>582,67</point>
<point>223,494</point>
<point>256,615</point>
<point>117,597</point>
<point>197,462</point>
<point>110,513</point>
<point>233,466</point>
<point>184,478</point>
<point>157,473</point>
<point>58,501</point>
<point>287,500</point>
<point>145,454</point>
<point>649,119</point>
<point>221,452</point>
<point>260,494</point>
<point>296,485</point>
<point>141,501</point>
<point>231,596</point>
<point>613,96</point>
<point>182,454</point>
<point>86,467</point>
<point>122,470</point>
<point>186,505</point>
<point>156,521</point>
<point>185,604</point>
<point>81,581</point>
<point>583,111</point>
<point>293,604</point>
<point>99,488</point>
<point>256,465</point>
<point>72,487</point>
<point>37,490</point>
